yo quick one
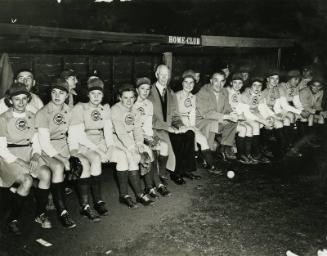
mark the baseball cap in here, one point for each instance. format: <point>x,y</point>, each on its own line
<point>61,84</point>
<point>95,83</point>
<point>273,72</point>
<point>142,80</point>
<point>67,73</point>
<point>293,73</point>
<point>257,79</point>
<point>237,76</point>
<point>18,88</point>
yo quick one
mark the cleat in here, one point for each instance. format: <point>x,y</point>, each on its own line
<point>128,201</point>
<point>66,220</point>
<point>163,191</point>
<point>144,199</point>
<point>100,207</point>
<point>43,220</point>
<point>88,212</point>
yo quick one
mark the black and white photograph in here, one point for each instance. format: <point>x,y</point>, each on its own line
<point>163,127</point>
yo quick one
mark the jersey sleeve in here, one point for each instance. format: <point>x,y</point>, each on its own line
<point>77,115</point>
<point>41,120</point>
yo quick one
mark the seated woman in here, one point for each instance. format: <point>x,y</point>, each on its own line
<point>128,136</point>
<point>144,108</point>
<point>20,158</point>
<point>52,122</point>
<point>91,134</point>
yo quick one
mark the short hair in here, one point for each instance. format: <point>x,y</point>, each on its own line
<point>24,70</point>
<point>221,73</point>
<point>159,67</point>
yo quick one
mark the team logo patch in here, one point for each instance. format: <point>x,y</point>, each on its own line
<point>141,111</point>
<point>188,103</point>
<point>291,92</point>
<point>58,118</point>
<point>129,119</point>
<point>95,115</point>
<point>234,98</point>
<point>255,101</point>
<point>21,124</point>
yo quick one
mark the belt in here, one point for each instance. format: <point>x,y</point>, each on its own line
<point>59,138</point>
<point>18,145</point>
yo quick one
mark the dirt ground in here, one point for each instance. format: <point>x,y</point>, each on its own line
<point>263,210</point>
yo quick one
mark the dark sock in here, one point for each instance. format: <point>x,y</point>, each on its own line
<point>240,145</point>
<point>148,178</point>
<point>248,145</point>
<point>41,196</point>
<point>162,160</point>
<point>17,204</point>
<point>134,179</point>
<point>122,177</point>
<point>96,188</point>
<point>57,191</point>
<point>255,145</point>
<point>83,186</point>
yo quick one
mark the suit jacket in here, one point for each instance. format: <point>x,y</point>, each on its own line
<point>209,112</point>
<point>160,127</point>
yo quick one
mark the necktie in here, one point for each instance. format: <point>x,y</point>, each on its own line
<point>163,94</point>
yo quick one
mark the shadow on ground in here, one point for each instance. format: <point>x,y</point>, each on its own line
<point>263,210</point>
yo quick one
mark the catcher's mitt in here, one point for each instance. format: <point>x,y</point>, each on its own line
<point>76,168</point>
<point>145,163</point>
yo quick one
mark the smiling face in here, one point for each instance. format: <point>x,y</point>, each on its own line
<point>58,96</point>
<point>217,82</point>
<point>95,97</point>
<point>188,84</point>
<point>19,102</point>
<point>316,87</point>
<point>272,81</point>
<point>294,81</point>
<point>237,84</point>
<point>127,99</point>
<point>256,87</point>
<point>162,75</point>
<point>26,78</point>
<point>143,91</point>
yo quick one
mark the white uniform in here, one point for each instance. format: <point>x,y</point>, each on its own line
<point>186,107</point>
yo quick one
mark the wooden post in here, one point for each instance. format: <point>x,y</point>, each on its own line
<point>279,57</point>
<point>167,59</point>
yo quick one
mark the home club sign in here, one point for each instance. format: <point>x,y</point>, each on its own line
<point>184,40</point>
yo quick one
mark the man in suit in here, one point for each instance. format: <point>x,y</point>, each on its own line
<point>170,129</point>
<point>214,114</point>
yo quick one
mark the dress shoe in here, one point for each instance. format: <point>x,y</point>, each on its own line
<point>177,179</point>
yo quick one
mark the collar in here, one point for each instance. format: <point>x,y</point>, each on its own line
<point>160,87</point>
<point>17,115</point>
<point>51,107</point>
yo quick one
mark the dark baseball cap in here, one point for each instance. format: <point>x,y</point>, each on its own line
<point>142,80</point>
<point>293,73</point>
<point>61,84</point>
<point>67,73</point>
<point>18,88</point>
<point>237,76</point>
<point>95,83</point>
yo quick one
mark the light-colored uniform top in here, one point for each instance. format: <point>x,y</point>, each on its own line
<point>186,107</point>
<point>145,109</point>
<point>234,98</point>
<point>33,106</point>
<point>90,126</point>
<point>303,83</point>
<point>289,95</point>
<point>52,128</point>
<point>127,126</point>
<point>310,101</point>
<point>18,136</point>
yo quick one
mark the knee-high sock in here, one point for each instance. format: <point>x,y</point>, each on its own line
<point>134,179</point>
<point>255,150</point>
<point>96,188</point>
<point>240,141</point>
<point>207,154</point>
<point>162,160</point>
<point>248,145</point>
<point>122,177</point>
<point>17,204</point>
<point>83,186</point>
<point>57,190</point>
<point>41,196</point>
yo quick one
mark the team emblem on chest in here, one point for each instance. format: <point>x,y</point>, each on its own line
<point>129,119</point>
<point>255,100</point>
<point>291,92</point>
<point>95,115</point>
<point>141,111</point>
<point>21,124</point>
<point>58,118</point>
<point>187,102</point>
<point>234,98</point>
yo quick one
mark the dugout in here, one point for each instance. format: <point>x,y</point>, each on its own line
<point>121,57</point>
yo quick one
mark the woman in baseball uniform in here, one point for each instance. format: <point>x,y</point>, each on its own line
<point>20,158</point>
<point>144,108</point>
<point>53,121</point>
<point>128,136</point>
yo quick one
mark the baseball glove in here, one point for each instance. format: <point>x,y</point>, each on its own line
<point>145,163</point>
<point>76,168</point>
